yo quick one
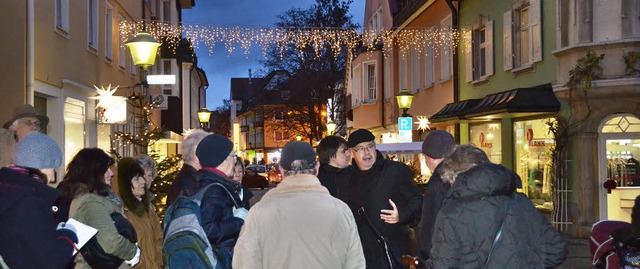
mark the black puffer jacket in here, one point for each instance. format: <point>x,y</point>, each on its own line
<point>435,193</point>
<point>471,216</point>
<point>372,189</point>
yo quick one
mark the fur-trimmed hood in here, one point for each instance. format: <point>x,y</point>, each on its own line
<point>486,179</point>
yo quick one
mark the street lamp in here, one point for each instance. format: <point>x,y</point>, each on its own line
<point>144,49</point>
<point>331,127</point>
<point>404,99</point>
<point>298,138</point>
<point>203,116</point>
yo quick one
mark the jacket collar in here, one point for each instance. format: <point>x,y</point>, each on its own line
<point>206,176</point>
<point>296,183</point>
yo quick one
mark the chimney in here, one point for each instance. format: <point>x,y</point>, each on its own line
<point>249,75</point>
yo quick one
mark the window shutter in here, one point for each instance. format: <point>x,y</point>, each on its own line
<point>536,33</point>
<point>468,60</point>
<point>488,31</point>
<point>507,42</point>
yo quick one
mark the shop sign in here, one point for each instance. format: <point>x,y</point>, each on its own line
<point>485,144</point>
<point>114,111</point>
<point>533,142</point>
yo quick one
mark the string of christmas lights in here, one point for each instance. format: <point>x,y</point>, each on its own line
<point>301,39</point>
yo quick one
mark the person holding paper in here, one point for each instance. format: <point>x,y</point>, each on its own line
<point>87,183</point>
<point>31,237</point>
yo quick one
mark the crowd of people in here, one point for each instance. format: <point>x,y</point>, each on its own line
<point>342,205</point>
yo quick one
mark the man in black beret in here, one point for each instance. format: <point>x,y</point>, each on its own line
<point>384,199</point>
<point>437,146</point>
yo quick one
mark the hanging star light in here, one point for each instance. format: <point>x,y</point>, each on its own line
<point>423,123</point>
<point>105,96</point>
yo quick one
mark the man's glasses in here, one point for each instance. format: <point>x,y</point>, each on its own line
<point>363,149</point>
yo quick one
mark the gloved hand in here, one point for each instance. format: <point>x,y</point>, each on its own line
<point>240,212</point>
<point>136,259</point>
<point>69,227</point>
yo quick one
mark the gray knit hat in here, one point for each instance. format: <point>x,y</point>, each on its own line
<point>38,151</point>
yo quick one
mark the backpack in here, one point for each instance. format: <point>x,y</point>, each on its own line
<point>185,241</point>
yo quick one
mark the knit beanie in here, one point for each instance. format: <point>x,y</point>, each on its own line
<point>359,136</point>
<point>297,150</point>
<point>438,144</point>
<point>213,150</point>
<point>38,151</point>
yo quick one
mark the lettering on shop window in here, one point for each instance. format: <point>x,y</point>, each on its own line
<point>485,144</point>
<point>534,142</point>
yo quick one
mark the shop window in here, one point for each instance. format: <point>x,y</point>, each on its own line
<point>488,138</point>
<point>533,160</point>
<point>622,150</point>
<point>74,131</point>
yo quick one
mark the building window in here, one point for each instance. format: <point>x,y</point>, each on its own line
<point>122,52</point>
<point>480,65</point>
<point>92,23</point>
<point>285,95</point>
<point>415,69</point>
<point>371,83</point>
<point>282,136</point>
<point>429,65</point>
<point>74,128</point>
<point>280,116</point>
<point>132,67</point>
<point>357,87</point>
<point>403,72</point>
<point>522,35</point>
<point>108,33</point>
<point>387,79</point>
<point>166,11</point>
<point>446,61</point>
<point>62,15</point>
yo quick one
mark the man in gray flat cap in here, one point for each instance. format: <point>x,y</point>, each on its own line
<point>307,226</point>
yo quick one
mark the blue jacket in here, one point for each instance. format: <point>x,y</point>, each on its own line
<point>28,235</point>
<point>221,227</point>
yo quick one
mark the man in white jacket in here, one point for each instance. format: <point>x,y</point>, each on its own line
<point>299,224</point>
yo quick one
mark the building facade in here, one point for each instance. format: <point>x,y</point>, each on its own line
<point>61,50</point>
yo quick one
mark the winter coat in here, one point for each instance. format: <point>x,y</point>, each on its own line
<point>299,225</point>
<point>29,238</point>
<point>144,220</point>
<point>372,190</point>
<point>95,210</point>
<point>329,174</point>
<point>186,180</point>
<point>435,193</point>
<point>221,227</point>
<point>472,214</point>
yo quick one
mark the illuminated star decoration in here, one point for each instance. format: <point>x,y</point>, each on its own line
<point>105,96</point>
<point>423,123</point>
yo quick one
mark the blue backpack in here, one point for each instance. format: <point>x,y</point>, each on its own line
<point>185,241</point>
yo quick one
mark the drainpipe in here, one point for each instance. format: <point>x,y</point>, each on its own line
<point>382,92</point>
<point>455,24</point>
<point>30,51</point>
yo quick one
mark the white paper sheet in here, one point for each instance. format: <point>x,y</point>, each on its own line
<point>83,231</point>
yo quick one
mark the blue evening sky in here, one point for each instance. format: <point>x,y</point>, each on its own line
<point>221,66</point>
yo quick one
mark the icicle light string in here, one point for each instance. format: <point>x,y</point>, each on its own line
<point>423,40</point>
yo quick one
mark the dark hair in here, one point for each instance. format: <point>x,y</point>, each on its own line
<point>328,148</point>
<point>635,217</point>
<point>240,162</point>
<point>85,173</point>
<point>129,168</point>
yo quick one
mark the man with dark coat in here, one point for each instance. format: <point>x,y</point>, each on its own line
<point>384,199</point>
<point>221,219</point>
<point>485,223</point>
<point>436,146</point>
<point>334,157</point>
<point>185,181</point>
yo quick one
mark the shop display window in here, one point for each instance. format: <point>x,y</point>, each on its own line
<point>533,143</point>
<point>488,138</point>
<point>623,151</point>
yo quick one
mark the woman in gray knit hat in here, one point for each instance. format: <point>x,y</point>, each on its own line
<point>32,234</point>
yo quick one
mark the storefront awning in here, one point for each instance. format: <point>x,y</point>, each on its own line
<point>514,103</point>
